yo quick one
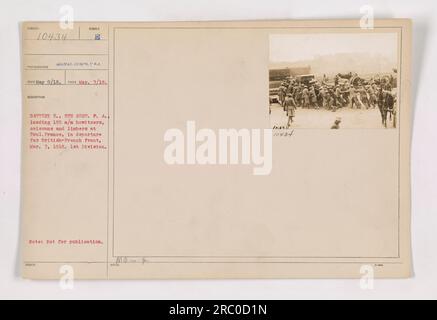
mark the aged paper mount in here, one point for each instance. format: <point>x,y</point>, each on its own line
<point>267,149</point>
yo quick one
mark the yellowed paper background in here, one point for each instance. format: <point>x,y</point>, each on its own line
<point>334,201</point>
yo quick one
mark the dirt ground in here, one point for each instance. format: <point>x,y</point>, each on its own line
<point>324,119</point>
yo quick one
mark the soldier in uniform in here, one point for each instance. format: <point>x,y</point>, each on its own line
<point>313,97</point>
<point>339,101</point>
<point>329,99</point>
<point>281,95</point>
<point>372,96</point>
<point>290,89</point>
<point>298,96</point>
<point>306,97</point>
<point>361,96</point>
<point>322,97</point>
<point>290,86</point>
<point>353,96</point>
<point>290,106</point>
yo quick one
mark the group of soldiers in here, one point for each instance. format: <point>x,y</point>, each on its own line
<point>352,92</point>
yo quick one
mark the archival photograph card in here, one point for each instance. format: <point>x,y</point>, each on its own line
<point>216,150</point>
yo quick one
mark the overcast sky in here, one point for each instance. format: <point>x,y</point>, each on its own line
<point>296,47</point>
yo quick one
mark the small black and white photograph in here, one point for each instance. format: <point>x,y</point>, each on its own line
<point>333,81</point>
